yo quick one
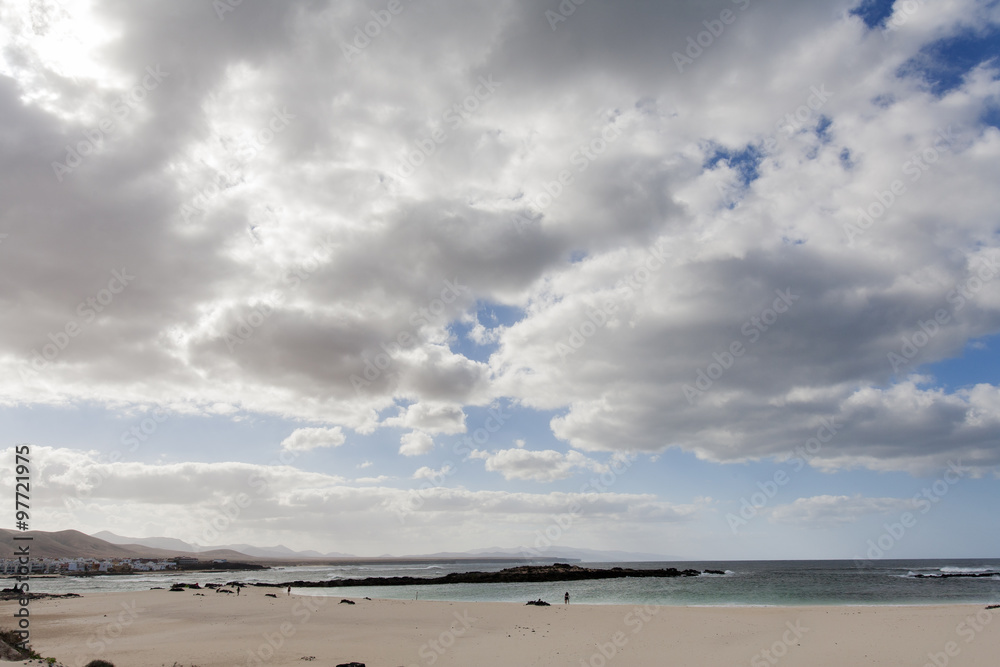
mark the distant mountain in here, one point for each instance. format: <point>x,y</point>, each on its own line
<point>555,553</point>
<point>67,544</point>
<point>153,542</point>
<point>74,544</point>
<point>279,551</point>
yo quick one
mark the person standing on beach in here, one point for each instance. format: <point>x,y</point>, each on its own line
<point>566,598</point>
<point>288,591</point>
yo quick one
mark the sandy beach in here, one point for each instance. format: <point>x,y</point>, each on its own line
<point>159,627</point>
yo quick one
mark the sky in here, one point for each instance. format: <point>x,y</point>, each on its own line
<point>711,280</point>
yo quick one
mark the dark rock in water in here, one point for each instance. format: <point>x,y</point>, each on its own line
<point>270,595</point>
<point>368,598</point>
<point>346,601</point>
<point>13,593</point>
<point>714,572</point>
<point>352,664</point>
<point>993,606</point>
<point>520,574</point>
<point>538,603</point>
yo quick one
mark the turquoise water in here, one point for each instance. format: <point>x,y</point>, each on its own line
<point>746,583</point>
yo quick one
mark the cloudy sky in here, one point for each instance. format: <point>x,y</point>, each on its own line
<point>708,279</point>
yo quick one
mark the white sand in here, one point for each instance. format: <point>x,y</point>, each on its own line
<point>215,629</point>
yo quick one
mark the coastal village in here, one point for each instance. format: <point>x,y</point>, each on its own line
<point>82,566</point>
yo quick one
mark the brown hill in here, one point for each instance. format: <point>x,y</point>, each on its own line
<point>74,544</point>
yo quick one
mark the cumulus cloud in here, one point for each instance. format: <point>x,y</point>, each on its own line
<point>711,255</point>
<point>426,472</point>
<point>538,466</point>
<point>416,443</point>
<point>291,506</point>
<point>430,418</point>
<point>308,439</point>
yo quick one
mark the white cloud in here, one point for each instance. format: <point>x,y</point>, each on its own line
<point>291,506</point>
<point>373,480</point>
<point>539,466</point>
<point>317,282</point>
<point>827,511</point>
<point>430,418</point>
<point>426,472</point>
<point>416,443</point>
<point>307,439</point>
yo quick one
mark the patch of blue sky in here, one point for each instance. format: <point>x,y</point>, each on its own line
<point>491,315</point>
<point>943,64</point>
<point>823,127</point>
<point>464,344</point>
<point>873,12</point>
<point>846,160</point>
<point>991,116</point>
<point>745,161</point>
<point>497,314</point>
<point>782,482</point>
<point>978,364</point>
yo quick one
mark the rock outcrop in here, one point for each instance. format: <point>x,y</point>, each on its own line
<point>520,574</point>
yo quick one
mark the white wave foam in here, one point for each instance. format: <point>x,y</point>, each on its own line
<point>949,569</point>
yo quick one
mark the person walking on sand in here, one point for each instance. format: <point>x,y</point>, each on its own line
<point>288,591</point>
<point>566,598</point>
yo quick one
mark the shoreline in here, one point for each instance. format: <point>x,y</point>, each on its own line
<point>685,605</point>
<point>302,593</point>
<point>152,628</point>
<point>406,593</point>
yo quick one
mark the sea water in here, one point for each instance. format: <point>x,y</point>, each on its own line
<point>745,583</point>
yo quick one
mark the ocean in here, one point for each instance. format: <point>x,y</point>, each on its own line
<point>745,583</point>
